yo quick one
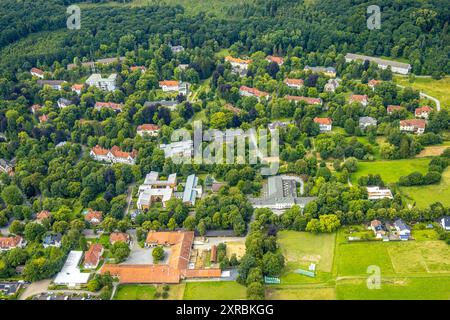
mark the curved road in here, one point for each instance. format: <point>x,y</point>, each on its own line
<point>424,95</point>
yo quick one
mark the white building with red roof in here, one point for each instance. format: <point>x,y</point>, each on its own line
<point>308,100</point>
<point>423,112</point>
<point>109,105</point>
<point>148,129</point>
<point>113,155</point>
<point>253,92</point>
<point>77,87</point>
<point>277,60</point>
<point>325,124</point>
<point>373,83</point>
<point>35,72</point>
<point>416,126</point>
<point>174,86</point>
<point>8,243</point>
<point>294,83</point>
<point>362,99</point>
<point>393,108</point>
<point>93,217</point>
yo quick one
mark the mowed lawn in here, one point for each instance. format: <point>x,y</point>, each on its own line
<point>398,288</point>
<point>438,89</point>
<point>393,258</point>
<point>135,292</point>
<point>391,170</point>
<point>214,290</point>
<point>423,196</point>
<point>300,293</point>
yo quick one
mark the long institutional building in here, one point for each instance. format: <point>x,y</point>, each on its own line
<point>397,67</point>
<point>180,264</point>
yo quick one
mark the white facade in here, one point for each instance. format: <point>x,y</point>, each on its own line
<point>375,193</point>
<point>107,84</point>
<point>70,274</point>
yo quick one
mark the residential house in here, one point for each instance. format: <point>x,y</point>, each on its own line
<point>191,190</point>
<point>44,118</point>
<point>108,105</point>
<point>176,49</point>
<point>35,72</point>
<point>170,104</point>
<point>325,124</point>
<point>135,68</point>
<point>114,155</point>
<point>445,223</point>
<point>277,124</point>
<point>328,71</point>
<point>393,108</point>
<point>396,67</point>
<point>92,256</point>
<point>362,99</point>
<point>253,92</point>
<point>373,83</point>
<point>174,86</point>
<point>423,112</point>
<point>365,122</point>
<point>294,83</point>
<point>376,193</point>
<point>77,87</point>
<point>308,100</point>
<point>93,217</point>
<point>151,130</point>
<point>377,228</point>
<point>403,230</point>
<point>238,63</point>
<point>8,243</point>
<point>52,240</point>
<point>7,166</point>
<point>277,60</point>
<point>183,149</point>
<point>9,288</point>
<point>54,84</point>
<point>63,103</point>
<point>42,215</point>
<point>416,126</point>
<point>35,108</point>
<point>119,236</point>
<point>107,84</point>
<point>331,85</point>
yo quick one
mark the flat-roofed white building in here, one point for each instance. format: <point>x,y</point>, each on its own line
<point>180,148</point>
<point>70,274</point>
<point>397,67</point>
<point>376,193</point>
<point>107,84</point>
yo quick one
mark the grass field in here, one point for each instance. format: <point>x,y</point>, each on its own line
<point>423,196</point>
<point>300,249</point>
<point>135,292</point>
<point>214,290</point>
<point>408,269</point>
<point>438,89</point>
<point>391,170</point>
<point>420,288</point>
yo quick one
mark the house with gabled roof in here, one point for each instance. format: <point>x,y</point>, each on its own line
<point>365,122</point>
<point>106,84</point>
<point>8,243</point>
<point>308,100</point>
<point>93,217</point>
<point>119,236</point>
<point>77,87</point>
<point>325,124</point>
<point>35,72</point>
<point>63,103</point>
<point>277,60</point>
<point>151,130</point>
<point>92,256</point>
<point>445,223</point>
<point>331,85</point>
<point>362,99</point>
<point>373,83</point>
<point>113,155</point>
<point>253,92</point>
<point>416,126</point>
<point>423,112</point>
<point>294,83</point>
<point>42,215</point>
<point>403,230</point>
<point>393,108</point>
<point>108,105</point>
<point>174,86</point>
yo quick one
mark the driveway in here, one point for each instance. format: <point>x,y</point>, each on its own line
<point>35,288</point>
<point>140,255</point>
